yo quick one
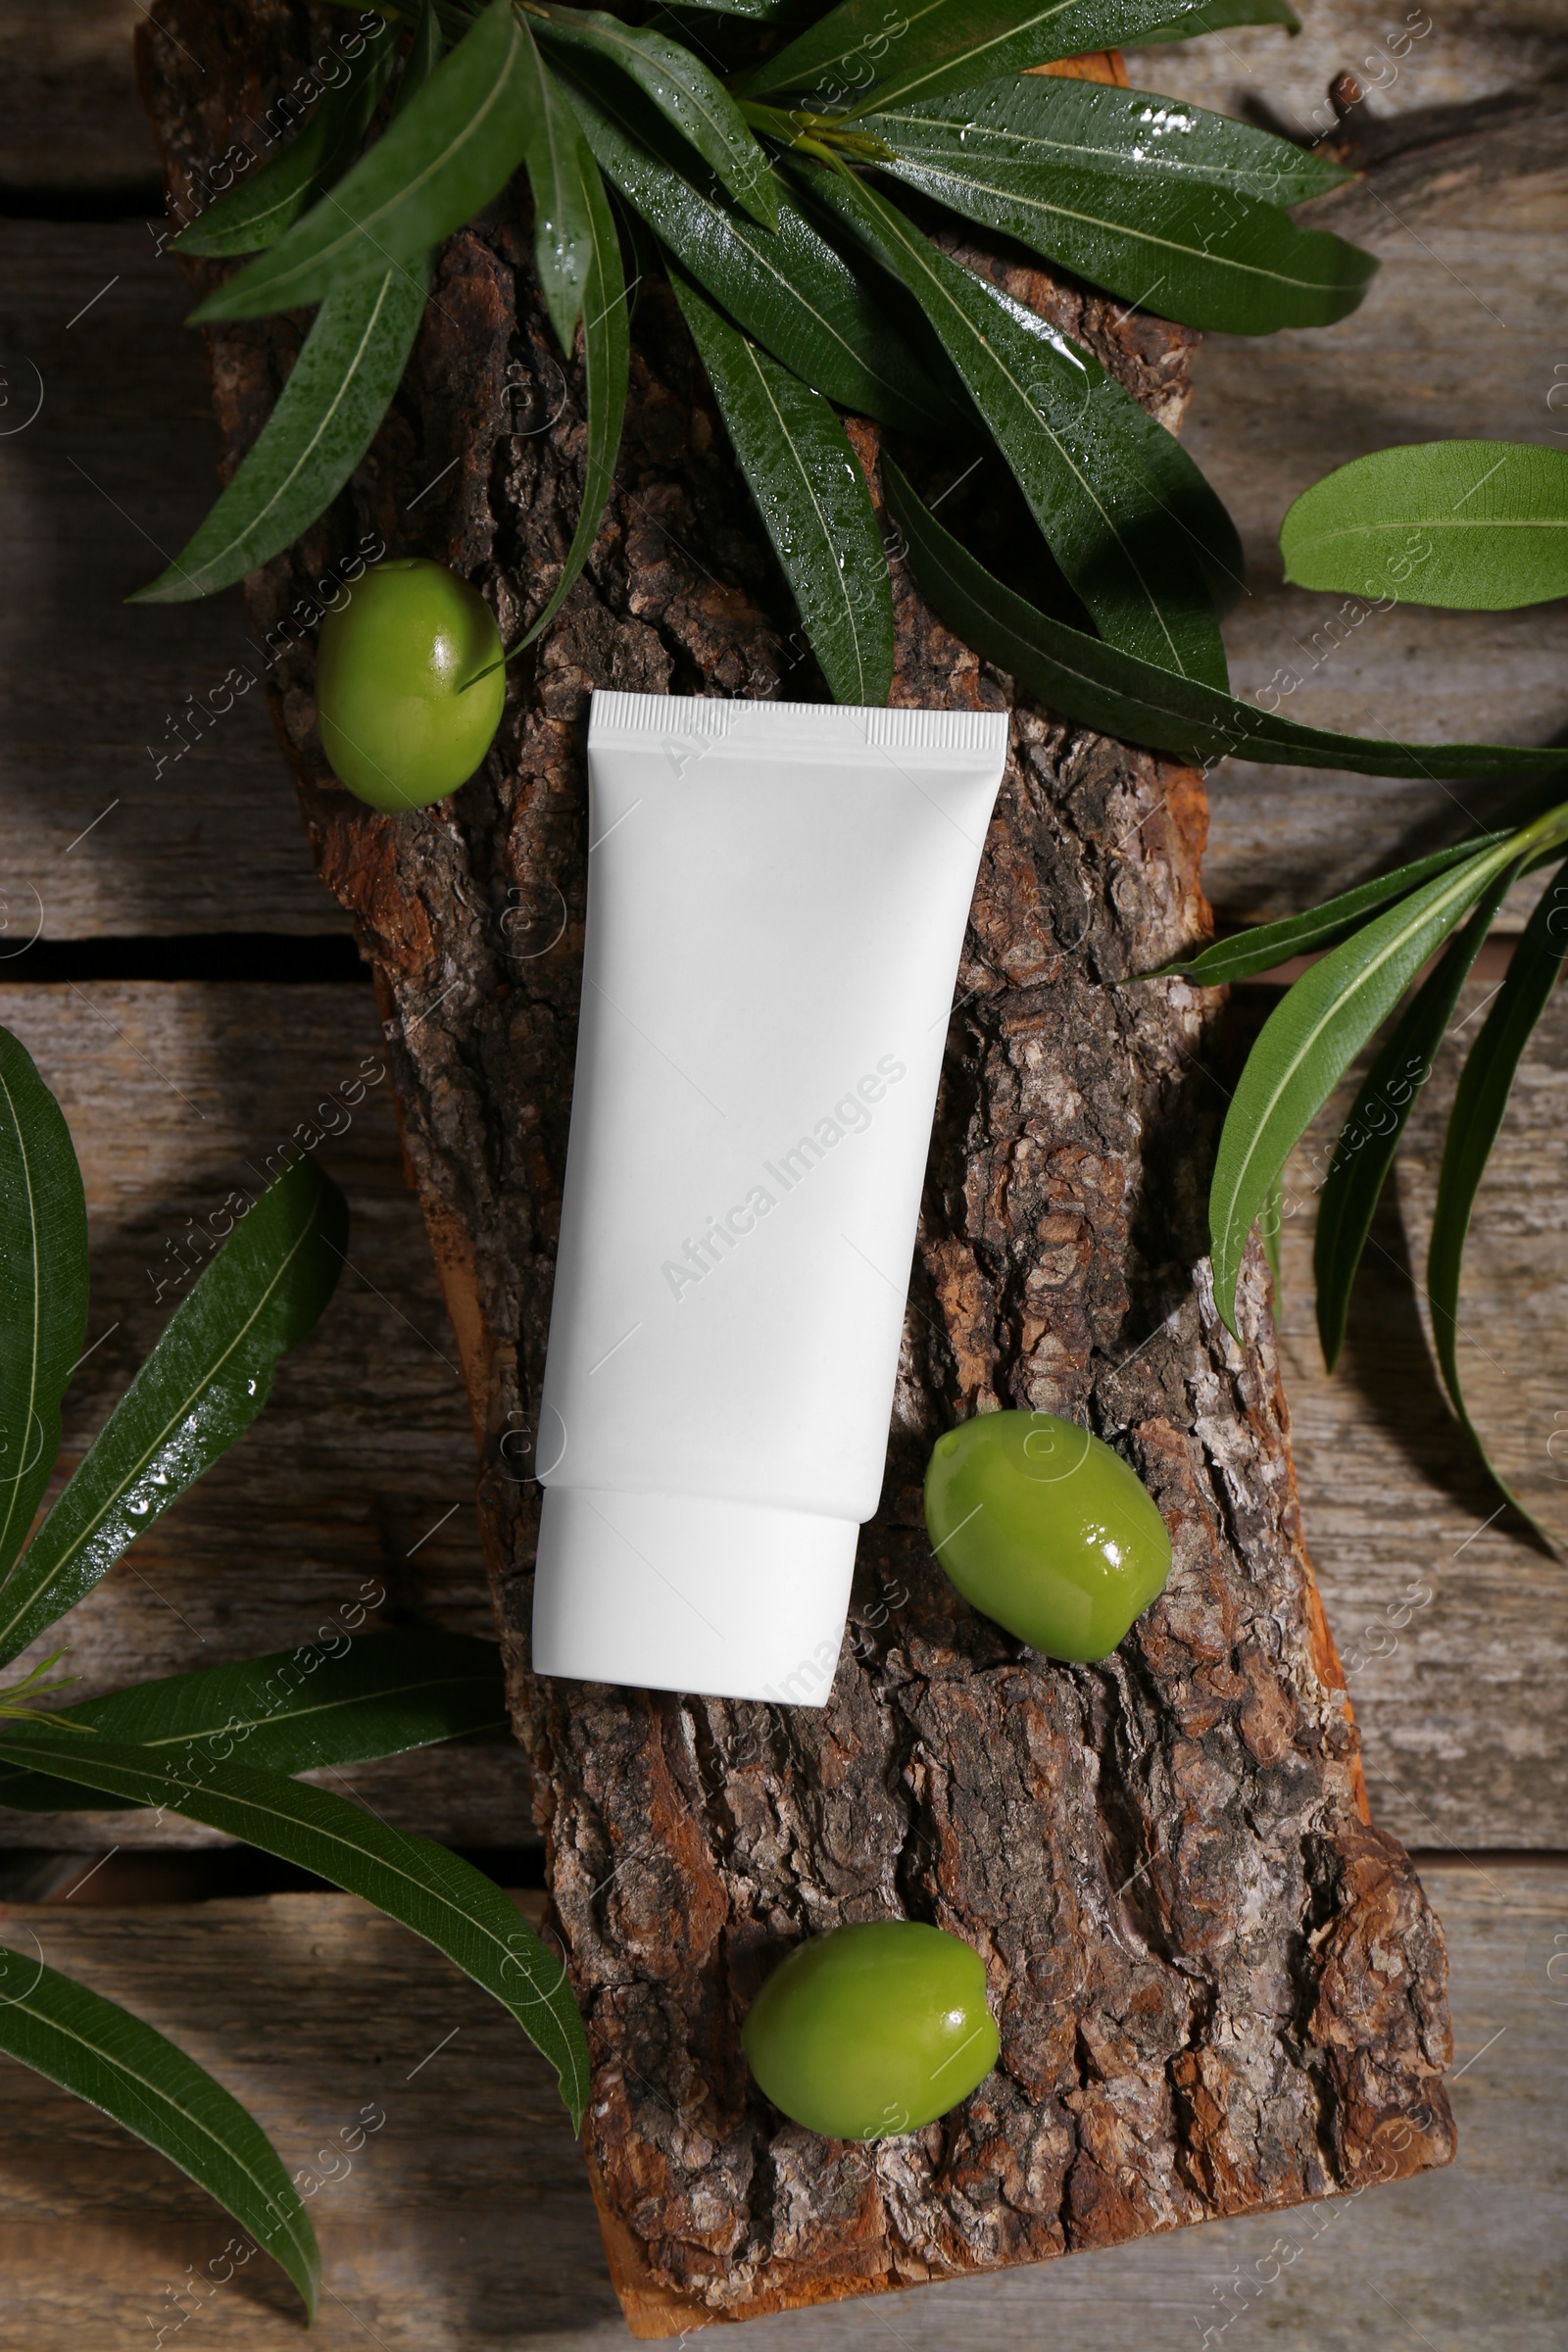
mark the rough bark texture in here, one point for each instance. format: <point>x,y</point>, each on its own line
<point>1217,1987</point>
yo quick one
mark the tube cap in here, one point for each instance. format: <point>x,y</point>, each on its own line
<point>689,1592</point>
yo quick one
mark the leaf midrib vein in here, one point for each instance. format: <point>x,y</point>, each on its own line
<point>1423,522</point>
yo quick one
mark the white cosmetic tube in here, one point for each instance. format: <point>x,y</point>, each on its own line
<point>778,895</point>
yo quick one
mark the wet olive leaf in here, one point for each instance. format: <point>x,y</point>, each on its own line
<point>789,290</point>
<point>1053,123</point>
<point>1125,512</point>
<point>451,150</point>
<point>684,91</point>
<point>200,1389</point>
<point>327,413</point>
<point>606,363</point>
<point>812,497</point>
<point>1206,255</point>
<point>254,213</point>
<point>563,237</point>
<point>1218,16</point>
<point>326,416</point>
<point>868,52</point>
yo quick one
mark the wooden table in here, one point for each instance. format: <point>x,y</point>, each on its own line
<point>189,992</point>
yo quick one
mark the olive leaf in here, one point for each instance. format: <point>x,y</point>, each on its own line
<point>868,52</point>
<point>812,497</point>
<point>1206,255</point>
<point>170,1743</point>
<point>562,229</point>
<point>430,1890</point>
<point>1048,124</point>
<point>1269,945</point>
<point>91,2046</point>
<point>1103,178</point>
<point>202,1386</point>
<point>1341,1000</point>
<point>338,1699</point>
<point>449,152</point>
<point>254,213</point>
<point>1218,16</point>
<point>1478,1104</point>
<point>1310,1039</point>
<point>606,364</point>
<point>1118,695</point>
<point>1482,525</point>
<point>1370,1134</point>
<point>326,416</point>
<point>789,290</point>
<point>43,1285</point>
<point>327,413</point>
<point>1125,512</point>
<point>684,91</point>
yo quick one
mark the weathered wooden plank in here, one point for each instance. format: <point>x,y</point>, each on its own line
<point>1464,53</point>
<point>465,2218</point>
<point>112,475</point>
<point>1461,334</point>
<point>70,125</point>
<point>358,1477</point>
<point>1453,1632</point>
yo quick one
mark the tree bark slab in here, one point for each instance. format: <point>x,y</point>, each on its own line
<point>1218,1987</point>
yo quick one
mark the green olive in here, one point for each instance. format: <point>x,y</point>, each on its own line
<point>872,2030</point>
<point>394,662</point>
<point>1046,1530</point>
